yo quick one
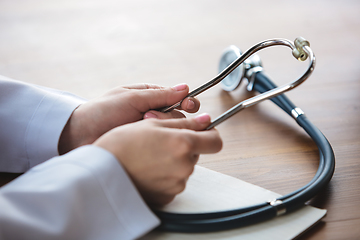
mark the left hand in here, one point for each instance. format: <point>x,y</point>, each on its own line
<point>159,155</point>
<point>120,106</point>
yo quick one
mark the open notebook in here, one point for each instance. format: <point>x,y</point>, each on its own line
<point>208,190</point>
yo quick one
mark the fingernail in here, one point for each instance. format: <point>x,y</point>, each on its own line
<point>150,115</point>
<point>190,104</point>
<point>180,87</point>
<point>203,118</point>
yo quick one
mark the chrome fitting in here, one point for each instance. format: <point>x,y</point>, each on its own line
<point>296,112</point>
<point>250,75</point>
<point>279,206</point>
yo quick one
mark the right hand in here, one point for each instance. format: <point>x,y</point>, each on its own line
<point>123,105</point>
<point>159,155</point>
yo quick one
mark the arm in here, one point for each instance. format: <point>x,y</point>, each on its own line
<point>33,119</point>
<point>86,193</point>
<point>39,123</point>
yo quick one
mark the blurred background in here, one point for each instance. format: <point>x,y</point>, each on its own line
<point>90,46</point>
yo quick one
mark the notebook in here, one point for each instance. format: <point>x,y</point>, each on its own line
<point>208,191</point>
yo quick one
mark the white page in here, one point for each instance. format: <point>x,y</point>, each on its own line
<point>208,191</point>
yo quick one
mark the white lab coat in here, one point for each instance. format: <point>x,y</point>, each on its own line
<point>85,194</point>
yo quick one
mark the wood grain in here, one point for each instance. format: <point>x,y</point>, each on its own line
<point>88,47</point>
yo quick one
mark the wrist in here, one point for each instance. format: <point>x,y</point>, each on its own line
<point>72,137</point>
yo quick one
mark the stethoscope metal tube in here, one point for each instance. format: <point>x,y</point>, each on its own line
<point>216,221</point>
<point>301,51</point>
<point>268,94</point>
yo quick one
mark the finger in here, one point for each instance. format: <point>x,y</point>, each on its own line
<point>156,199</point>
<point>154,98</point>
<point>190,104</point>
<point>195,158</point>
<point>138,86</point>
<point>159,200</point>
<point>143,86</point>
<point>160,115</point>
<point>201,141</point>
<point>206,142</point>
<point>197,124</point>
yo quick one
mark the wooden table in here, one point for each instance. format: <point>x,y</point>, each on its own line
<point>88,47</point>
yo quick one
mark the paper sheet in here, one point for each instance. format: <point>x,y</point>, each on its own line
<point>208,191</point>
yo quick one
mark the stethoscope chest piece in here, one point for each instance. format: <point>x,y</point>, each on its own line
<point>233,80</point>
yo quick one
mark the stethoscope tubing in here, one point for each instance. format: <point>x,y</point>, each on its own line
<point>225,220</point>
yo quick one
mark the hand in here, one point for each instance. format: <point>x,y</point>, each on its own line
<point>159,155</point>
<point>120,106</point>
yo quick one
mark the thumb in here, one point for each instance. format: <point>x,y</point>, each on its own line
<point>153,98</point>
<point>198,123</point>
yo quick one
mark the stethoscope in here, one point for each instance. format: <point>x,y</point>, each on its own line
<point>235,66</point>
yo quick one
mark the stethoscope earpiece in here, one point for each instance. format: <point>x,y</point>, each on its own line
<point>238,66</point>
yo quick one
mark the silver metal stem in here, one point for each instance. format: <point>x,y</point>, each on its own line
<point>231,67</point>
<point>269,94</point>
<point>302,51</point>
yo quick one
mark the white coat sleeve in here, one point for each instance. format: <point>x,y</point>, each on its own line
<point>85,194</point>
<point>32,119</point>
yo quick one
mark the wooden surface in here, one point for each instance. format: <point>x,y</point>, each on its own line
<point>88,47</point>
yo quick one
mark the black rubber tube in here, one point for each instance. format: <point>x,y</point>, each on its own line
<point>217,221</point>
<point>263,84</point>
